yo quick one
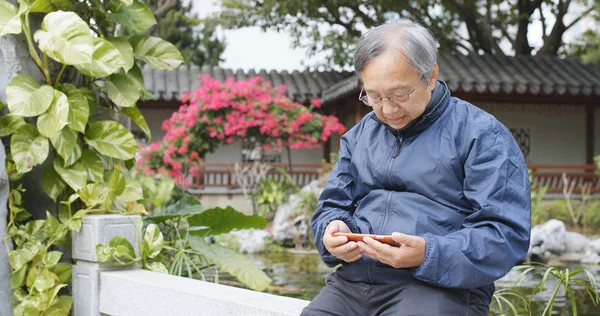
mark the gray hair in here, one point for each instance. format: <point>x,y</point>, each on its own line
<point>409,37</point>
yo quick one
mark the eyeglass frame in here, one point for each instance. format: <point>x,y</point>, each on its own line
<point>380,103</point>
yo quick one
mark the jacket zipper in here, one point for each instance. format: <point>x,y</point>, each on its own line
<point>397,149</point>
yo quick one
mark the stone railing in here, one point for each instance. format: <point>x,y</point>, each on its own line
<point>103,289</point>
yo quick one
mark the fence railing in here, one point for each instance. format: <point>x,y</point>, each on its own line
<point>228,175</point>
<point>551,176</point>
<point>224,175</point>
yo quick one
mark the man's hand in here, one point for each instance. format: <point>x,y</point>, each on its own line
<point>410,254</point>
<point>340,247</point>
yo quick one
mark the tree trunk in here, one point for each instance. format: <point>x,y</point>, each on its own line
<point>522,46</point>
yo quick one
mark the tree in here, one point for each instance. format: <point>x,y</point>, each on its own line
<point>195,39</point>
<point>480,26</point>
<point>587,46</point>
<point>222,112</point>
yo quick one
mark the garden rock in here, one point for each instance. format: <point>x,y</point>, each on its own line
<point>548,239</point>
<point>251,240</point>
<point>576,242</point>
<point>595,245</point>
<point>286,229</point>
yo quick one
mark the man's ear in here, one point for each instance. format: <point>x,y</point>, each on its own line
<point>433,77</point>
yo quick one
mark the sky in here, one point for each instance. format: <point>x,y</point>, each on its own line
<point>251,48</point>
<point>247,48</point>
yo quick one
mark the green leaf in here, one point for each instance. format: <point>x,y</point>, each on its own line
<point>186,206</point>
<point>51,122</point>
<point>122,90</point>
<point>111,139</point>
<point>66,38</point>
<point>11,123</point>
<point>158,53</point>
<point>18,277</point>
<point>74,224</point>
<point>154,239</point>
<point>25,96</point>
<point>93,194</point>
<point>136,74</point>
<point>137,17</point>
<point>79,110</point>
<point>61,307</point>
<point>132,192</point>
<point>222,221</point>
<point>67,145</point>
<point>53,227</point>
<point>136,116</point>
<point>45,280</point>
<point>233,263</point>
<point>94,165</point>
<point>117,182</point>
<point>46,6</point>
<point>63,271</point>
<point>20,257</point>
<point>51,258</point>
<point>106,60</point>
<point>75,176</point>
<point>122,44</point>
<point>10,20</point>
<point>28,148</point>
<point>157,267</point>
<point>52,184</point>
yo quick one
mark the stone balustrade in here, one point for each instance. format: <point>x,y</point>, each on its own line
<point>103,289</point>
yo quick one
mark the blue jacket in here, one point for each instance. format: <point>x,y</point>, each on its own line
<point>455,176</point>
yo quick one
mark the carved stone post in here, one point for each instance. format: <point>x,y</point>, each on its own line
<point>98,229</point>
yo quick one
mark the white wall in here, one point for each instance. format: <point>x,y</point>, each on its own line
<point>154,118</point>
<point>558,132</point>
<point>597,131</point>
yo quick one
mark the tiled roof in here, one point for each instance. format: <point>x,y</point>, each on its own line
<point>495,74</point>
<point>473,73</point>
<point>302,86</point>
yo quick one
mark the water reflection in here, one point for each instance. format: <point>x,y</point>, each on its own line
<point>303,276</point>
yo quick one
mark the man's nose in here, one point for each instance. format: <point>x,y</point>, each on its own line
<point>389,107</point>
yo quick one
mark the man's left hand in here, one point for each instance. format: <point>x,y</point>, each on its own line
<point>410,254</point>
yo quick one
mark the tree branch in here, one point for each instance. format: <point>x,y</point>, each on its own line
<point>506,34</point>
<point>161,10</point>
<point>543,20</point>
<point>162,7</point>
<point>584,14</point>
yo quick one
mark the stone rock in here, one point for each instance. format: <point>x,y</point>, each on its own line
<point>286,228</point>
<point>576,242</point>
<point>591,258</point>
<point>595,246</point>
<point>251,240</point>
<point>5,292</point>
<point>548,239</point>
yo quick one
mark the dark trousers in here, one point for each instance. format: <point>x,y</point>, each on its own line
<point>344,298</point>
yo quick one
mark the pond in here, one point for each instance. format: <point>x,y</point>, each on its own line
<point>303,275</point>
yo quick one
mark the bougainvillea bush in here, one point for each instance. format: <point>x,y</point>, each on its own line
<point>222,112</point>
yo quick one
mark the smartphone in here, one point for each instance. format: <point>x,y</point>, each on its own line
<point>386,239</point>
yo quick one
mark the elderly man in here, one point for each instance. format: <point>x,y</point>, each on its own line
<point>443,177</point>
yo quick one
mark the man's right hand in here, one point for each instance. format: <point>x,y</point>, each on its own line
<point>340,247</point>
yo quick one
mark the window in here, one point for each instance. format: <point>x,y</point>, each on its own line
<point>523,138</point>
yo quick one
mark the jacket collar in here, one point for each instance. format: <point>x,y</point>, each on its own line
<point>439,100</point>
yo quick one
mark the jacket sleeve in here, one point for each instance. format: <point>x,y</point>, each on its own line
<point>496,235</point>
<point>336,200</point>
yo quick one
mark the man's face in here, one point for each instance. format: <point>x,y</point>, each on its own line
<point>391,74</point>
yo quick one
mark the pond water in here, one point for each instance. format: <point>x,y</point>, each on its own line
<point>303,275</point>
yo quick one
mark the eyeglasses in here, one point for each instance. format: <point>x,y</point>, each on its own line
<point>394,98</point>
